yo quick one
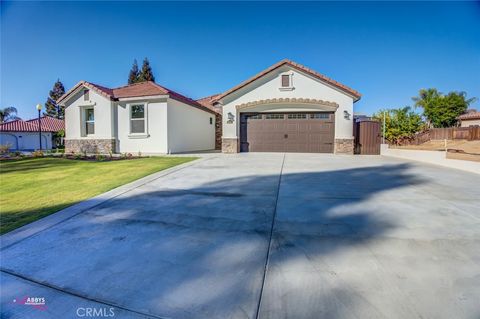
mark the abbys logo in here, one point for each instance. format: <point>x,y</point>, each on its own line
<point>35,302</point>
<point>95,312</point>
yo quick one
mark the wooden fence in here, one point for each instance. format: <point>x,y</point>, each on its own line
<point>450,133</point>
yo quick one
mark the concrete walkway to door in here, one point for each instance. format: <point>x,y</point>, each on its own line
<point>263,236</point>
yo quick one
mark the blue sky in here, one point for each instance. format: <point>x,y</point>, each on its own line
<point>385,50</point>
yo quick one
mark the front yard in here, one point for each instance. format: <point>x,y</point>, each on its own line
<point>34,188</point>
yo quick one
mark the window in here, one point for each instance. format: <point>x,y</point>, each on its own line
<point>285,81</point>
<point>274,116</point>
<point>211,121</point>
<point>320,116</point>
<point>255,117</point>
<point>137,118</point>
<point>297,116</point>
<point>89,122</point>
<point>86,95</point>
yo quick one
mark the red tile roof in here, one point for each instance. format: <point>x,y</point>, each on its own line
<point>18,126</point>
<point>49,124</point>
<point>297,66</point>
<point>147,88</point>
<point>469,116</point>
<point>208,102</point>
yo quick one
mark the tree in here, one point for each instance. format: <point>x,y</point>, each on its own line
<point>401,123</point>
<point>134,73</point>
<point>442,110</point>
<point>51,107</point>
<point>146,74</point>
<point>8,114</point>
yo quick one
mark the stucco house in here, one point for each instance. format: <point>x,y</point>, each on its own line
<point>285,108</point>
<point>471,118</point>
<point>24,136</point>
<point>143,117</point>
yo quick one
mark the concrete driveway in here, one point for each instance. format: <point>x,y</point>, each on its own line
<point>263,236</point>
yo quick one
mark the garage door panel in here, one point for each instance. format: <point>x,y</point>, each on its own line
<point>299,132</point>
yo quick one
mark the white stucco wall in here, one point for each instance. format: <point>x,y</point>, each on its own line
<point>268,87</point>
<point>189,128</point>
<point>431,157</point>
<point>103,112</point>
<point>467,123</point>
<point>155,141</point>
<point>26,140</point>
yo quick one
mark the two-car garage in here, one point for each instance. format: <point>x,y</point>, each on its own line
<point>305,132</point>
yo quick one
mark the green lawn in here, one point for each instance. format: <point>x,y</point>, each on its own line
<point>34,188</point>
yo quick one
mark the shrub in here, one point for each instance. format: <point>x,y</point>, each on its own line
<point>37,153</point>
<point>4,148</point>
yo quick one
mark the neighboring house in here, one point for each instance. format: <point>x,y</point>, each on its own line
<point>142,117</point>
<point>24,136</point>
<point>285,108</point>
<point>471,118</point>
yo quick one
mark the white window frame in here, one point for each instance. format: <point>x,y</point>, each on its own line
<point>290,78</point>
<point>145,119</point>
<point>86,121</point>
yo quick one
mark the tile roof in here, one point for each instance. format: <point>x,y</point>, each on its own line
<point>146,88</point>
<point>208,102</point>
<point>297,66</point>
<point>469,116</point>
<point>49,124</point>
<point>18,126</point>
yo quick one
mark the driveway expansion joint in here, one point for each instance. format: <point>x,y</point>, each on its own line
<point>265,269</point>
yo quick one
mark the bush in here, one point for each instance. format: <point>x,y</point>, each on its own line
<point>5,148</point>
<point>38,153</point>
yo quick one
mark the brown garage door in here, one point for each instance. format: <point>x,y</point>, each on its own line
<point>287,132</point>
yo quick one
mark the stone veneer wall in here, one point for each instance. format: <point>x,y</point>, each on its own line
<point>344,146</point>
<point>230,145</point>
<point>91,146</point>
<point>218,131</point>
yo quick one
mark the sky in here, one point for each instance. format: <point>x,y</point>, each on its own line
<point>385,50</point>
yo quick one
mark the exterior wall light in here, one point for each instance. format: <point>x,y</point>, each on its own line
<point>230,117</point>
<point>346,115</point>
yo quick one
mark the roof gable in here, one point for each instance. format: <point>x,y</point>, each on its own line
<point>349,91</point>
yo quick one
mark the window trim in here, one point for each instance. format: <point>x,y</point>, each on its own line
<point>290,87</point>
<point>143,134</point>
<point>86,121</point>
<point>86,95</point>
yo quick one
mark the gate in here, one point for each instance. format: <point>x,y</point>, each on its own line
<point>367,137</point>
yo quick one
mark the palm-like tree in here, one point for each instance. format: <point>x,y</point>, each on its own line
<point>8,114</point>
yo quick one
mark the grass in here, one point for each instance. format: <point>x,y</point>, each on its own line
<point>34,188</point>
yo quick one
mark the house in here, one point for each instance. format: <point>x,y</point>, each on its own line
<point>470,118</point>
<point>142,117</point>
<point>285,108</point>
<point>24,136</point>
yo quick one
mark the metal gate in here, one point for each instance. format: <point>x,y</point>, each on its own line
<point>367,137</point>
